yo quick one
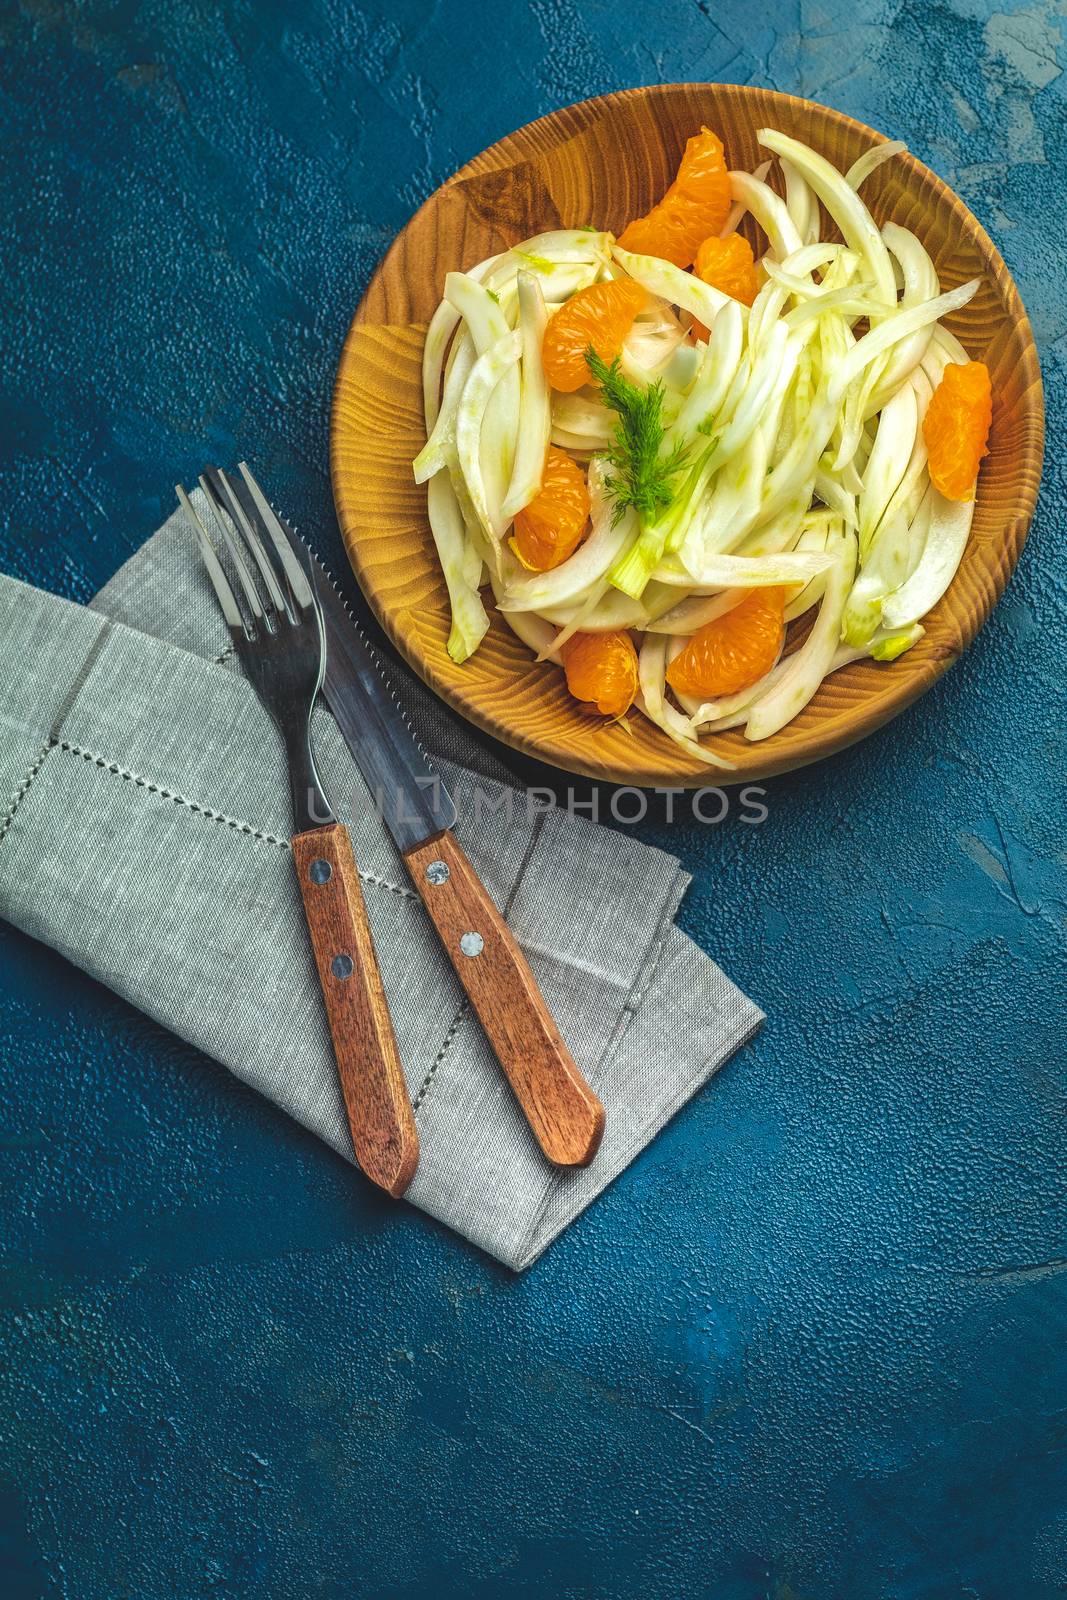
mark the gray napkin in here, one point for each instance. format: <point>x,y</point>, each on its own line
<point>144,827</point>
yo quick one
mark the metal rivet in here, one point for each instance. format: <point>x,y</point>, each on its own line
<point>438,872</point>
<point>472,944</point>
<point>341,966</point>
<point>320,871</point>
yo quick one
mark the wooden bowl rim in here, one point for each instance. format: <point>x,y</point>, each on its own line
<point>821,740</point>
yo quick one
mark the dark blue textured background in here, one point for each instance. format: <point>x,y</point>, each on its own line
<point>813,1343</point>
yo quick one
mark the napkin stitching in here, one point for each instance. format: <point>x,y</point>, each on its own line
<point>151,787</point>
<point>24,788</point>
<point>449,1036</point>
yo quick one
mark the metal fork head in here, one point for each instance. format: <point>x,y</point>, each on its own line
<point>273,617</point>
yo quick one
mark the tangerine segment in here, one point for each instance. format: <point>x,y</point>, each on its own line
<point>696,204</point>
<point>735,650</point>
<point>602,667</point>
<point>729,266</point>
<point>601,315</point>
<point>550,528</point>
<point>956,428</point>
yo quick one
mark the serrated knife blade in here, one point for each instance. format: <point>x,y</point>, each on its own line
<point>409,795</point>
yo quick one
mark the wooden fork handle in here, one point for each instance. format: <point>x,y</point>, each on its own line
<point>565,1115</point>
<point>372,1079</point>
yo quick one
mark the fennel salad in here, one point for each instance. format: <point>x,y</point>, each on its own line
<point>658,451</point>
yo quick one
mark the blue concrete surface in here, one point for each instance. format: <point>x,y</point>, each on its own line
<point>812,1345</point>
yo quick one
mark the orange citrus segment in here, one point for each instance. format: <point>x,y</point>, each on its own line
<point>550,528</point>
<point>602,668</point>
<point>733,651</point>
<point>956,428</point>
<point>601,316</point>
<point>695,205</point>
<point>728,265</point>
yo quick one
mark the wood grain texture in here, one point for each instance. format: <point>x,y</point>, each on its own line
<point>565,1115</point>
<point>604,161</point>
<point>372,1079</point>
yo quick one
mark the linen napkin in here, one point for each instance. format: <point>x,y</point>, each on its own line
<point>144,833</point>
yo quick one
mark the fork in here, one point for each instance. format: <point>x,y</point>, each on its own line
<point>278,636</point>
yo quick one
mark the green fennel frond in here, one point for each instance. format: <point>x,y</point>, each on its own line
<point>644,476</point>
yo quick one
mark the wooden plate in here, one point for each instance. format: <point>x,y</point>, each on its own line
<point>603,162</point>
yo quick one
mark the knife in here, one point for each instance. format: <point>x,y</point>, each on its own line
<point>564,1115</point>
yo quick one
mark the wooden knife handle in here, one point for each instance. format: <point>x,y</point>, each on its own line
<point>565,1115</point>
<point>372,1079</point>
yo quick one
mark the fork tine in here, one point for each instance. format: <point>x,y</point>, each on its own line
<point>224,489</point>
<point>298,580</point>
<point>219,581</point>
<point>234,546</point>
